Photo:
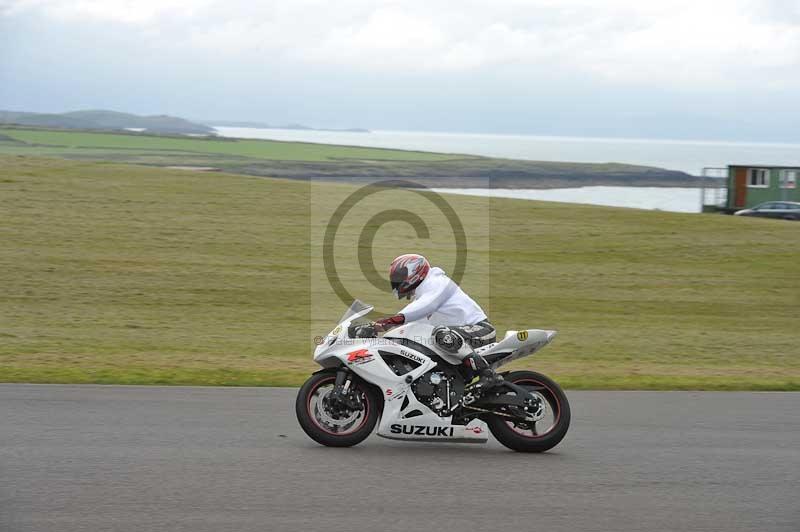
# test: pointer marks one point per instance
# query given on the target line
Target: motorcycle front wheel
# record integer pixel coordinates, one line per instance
(327, 424)
(534, 436)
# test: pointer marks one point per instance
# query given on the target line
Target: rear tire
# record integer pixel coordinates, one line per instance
(505, 432)
(308, 414)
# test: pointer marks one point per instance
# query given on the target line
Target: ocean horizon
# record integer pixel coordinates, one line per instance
(689, 156)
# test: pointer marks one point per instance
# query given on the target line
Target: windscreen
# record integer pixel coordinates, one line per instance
(356, 307)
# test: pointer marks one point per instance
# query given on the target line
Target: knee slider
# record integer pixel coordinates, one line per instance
(447, 339)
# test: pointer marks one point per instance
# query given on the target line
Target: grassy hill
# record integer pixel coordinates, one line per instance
(301, 160)
(125, 274)
(119, 145)
(101, 119)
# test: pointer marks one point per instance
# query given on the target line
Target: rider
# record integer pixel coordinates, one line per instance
(438, 299)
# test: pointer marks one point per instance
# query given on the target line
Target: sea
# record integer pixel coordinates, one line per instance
(689, 156)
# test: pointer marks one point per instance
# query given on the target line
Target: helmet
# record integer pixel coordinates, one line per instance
(406, 273)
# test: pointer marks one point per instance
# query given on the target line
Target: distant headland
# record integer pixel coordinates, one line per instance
(107, 120)
(101, 119)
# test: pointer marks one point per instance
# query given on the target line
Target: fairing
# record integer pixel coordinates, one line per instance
(413, 341)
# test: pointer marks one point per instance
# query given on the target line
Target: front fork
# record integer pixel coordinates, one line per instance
(343, 391)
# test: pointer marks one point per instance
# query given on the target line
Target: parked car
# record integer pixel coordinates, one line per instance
(785, 210)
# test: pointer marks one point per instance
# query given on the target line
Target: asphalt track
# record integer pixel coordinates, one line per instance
(97, 458)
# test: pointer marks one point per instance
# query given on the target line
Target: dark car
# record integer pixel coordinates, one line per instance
(785, 210)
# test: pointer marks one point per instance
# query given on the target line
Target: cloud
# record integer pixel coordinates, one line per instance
(702, 45)
(677, 43)
(684, 68)
(125, 11)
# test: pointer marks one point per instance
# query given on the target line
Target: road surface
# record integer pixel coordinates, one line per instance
(116, 458)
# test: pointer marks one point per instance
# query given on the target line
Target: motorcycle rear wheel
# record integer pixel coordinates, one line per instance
(335, 430)
(522, 436)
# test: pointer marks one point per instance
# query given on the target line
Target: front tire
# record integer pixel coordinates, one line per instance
(526, 437)
(335, 429)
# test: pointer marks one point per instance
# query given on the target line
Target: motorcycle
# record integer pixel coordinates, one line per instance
(421, 392)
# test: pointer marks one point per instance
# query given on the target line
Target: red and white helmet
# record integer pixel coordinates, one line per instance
(406, 272)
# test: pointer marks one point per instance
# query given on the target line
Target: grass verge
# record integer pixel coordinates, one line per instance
(125, 274)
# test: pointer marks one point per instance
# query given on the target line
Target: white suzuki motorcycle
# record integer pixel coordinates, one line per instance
(420, 392)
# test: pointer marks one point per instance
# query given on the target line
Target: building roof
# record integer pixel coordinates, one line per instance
(765, 166)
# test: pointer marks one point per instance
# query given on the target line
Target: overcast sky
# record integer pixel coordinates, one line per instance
(635, 68)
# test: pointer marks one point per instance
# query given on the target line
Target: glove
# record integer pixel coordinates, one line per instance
(385, 324)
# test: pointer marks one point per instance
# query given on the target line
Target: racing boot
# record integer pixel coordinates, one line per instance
(487, 377)
(452, 342)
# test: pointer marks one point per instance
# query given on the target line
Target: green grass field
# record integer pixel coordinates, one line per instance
(126, 274)
(66, 142)
(299, 160)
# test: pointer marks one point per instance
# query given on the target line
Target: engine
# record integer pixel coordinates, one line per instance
(439, 389)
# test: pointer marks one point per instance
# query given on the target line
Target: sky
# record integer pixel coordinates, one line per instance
(694, 69)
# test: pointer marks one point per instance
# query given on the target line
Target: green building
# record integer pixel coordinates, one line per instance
(751, 185)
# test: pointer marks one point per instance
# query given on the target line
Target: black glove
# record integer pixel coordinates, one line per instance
(363, 330)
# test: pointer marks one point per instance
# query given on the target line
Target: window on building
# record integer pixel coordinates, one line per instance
(758, 178)
(789, 178)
